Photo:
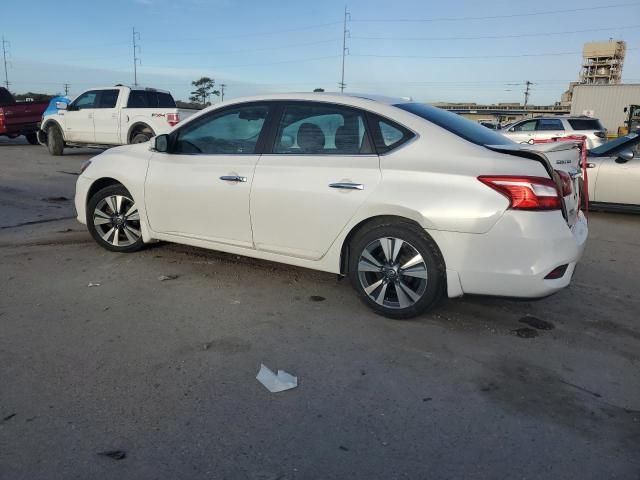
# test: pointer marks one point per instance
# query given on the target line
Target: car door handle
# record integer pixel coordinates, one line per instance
(591, 165)
(347, 186)
(233, 178)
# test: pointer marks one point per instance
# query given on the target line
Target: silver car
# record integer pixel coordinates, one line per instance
(614, 174)
(544, 128)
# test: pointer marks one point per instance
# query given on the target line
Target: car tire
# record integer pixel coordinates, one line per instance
(32, 138)
(55, 142)
(140, 138)
(397, 280)
(114, 220)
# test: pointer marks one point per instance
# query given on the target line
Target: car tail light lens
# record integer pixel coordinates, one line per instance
(173, 118)
(525, 193)
(567, 183)
(1, 119)
(600, 134)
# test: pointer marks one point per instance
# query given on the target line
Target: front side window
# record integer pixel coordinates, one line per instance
(108, 99)
(549, 124)
(231, 132)
(529, 126)
(308, 129)
(86, 100)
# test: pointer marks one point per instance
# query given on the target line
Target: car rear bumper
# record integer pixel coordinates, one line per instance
(515, 256)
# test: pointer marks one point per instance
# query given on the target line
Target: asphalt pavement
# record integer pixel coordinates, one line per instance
(144, 377)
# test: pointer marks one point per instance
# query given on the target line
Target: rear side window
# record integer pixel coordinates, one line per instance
(549, 124)
(388, 135)
(321, 129)
(460, 126)
(108, 99)
(165, 100)
(585, 124)
(150, 99)
(137, 99)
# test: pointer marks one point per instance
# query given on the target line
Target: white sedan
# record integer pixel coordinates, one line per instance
(411, 202)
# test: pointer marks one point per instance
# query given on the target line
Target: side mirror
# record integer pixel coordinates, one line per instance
(61, 105)
(624, 156)
(625, 109)
(161, 143)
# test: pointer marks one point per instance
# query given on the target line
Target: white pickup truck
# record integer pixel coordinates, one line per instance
(104, 117)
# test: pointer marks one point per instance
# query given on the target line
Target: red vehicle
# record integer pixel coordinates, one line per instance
(20, 118)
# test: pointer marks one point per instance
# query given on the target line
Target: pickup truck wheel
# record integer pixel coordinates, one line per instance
(32, 138)
(113, 220)
(141, 138)
(55, 142)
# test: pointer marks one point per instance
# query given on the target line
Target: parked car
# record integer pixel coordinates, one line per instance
(19, 118)
(614, 174)
(411, 202)
(104, 117)
(543, 128)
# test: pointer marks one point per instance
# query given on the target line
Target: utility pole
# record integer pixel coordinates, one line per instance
(526, 93)
(222, 85)
(66, 89)
(5, 44)
(345, 50)
(136, 59)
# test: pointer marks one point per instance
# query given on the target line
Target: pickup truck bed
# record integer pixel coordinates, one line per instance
(19, 118)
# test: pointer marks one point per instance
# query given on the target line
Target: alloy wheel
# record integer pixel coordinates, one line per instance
(117, 220)
(392, 273)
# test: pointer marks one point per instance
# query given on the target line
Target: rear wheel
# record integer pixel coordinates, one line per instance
(113, 219)
(32, 138)
(55, 142)
(141, 138)
(396, 269)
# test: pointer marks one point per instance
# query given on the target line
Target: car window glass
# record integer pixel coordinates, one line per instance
(230, 132)
(549, 124)
(165, 100)
(321, 129)
(585, 124)
(387, 135)
(108, 98)
(529, 126)
(86, 100)
(137, 99)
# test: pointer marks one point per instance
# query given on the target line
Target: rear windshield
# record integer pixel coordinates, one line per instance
(150, 99)
(585, 124)
(470, 131)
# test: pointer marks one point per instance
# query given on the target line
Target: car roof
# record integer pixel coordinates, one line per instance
(565, 117)
(332, 97)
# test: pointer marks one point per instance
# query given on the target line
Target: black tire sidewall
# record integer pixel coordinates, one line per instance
(137, 135)
(91, 205)
(425, 246)
(32, 138)
(55, 143)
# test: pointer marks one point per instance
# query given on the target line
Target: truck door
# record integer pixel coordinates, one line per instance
(106, 118)
(78, 118)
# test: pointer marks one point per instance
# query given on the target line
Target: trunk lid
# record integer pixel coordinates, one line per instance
(556, 156)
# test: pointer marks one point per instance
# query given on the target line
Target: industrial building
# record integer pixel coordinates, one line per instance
(602, 62)
(605, 102)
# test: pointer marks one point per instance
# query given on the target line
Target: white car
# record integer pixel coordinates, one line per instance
(104, 117)
(411, 202)
(545, 128)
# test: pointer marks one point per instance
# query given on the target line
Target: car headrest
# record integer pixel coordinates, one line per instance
(310, 138)
(346, 141)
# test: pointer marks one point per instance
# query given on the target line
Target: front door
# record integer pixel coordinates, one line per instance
(523, 132)
(106, 119)
(549, 128)
(201, 188)
(78, 118)
(618, 181)
(320, 170)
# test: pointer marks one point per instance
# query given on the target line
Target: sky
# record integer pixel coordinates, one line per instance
(445, 50)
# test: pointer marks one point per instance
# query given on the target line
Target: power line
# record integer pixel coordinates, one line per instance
(136, 60)
(298, 60)
(5, 44)
(518, 35)
(345, 50)
(465, 57)
(491, 17)
(250, 50)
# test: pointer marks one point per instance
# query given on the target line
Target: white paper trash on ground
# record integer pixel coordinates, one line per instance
(276, 383)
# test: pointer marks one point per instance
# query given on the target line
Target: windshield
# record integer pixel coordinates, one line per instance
(607, 148)
(460, 126)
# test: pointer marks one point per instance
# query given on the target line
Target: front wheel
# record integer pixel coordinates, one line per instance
(55, 142)
(396, 269)
(113, 220)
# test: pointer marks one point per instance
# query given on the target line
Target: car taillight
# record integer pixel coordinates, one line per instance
(525, 193)
(567, 183)
(173, 118)
(1, 119)
(600, 134)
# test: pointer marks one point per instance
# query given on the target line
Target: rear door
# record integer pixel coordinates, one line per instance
(78, 118)
(319, 171)
(106, 119)
(548, 128)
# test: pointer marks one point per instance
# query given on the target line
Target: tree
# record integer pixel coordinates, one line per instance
(318, 89)
(204, 88)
